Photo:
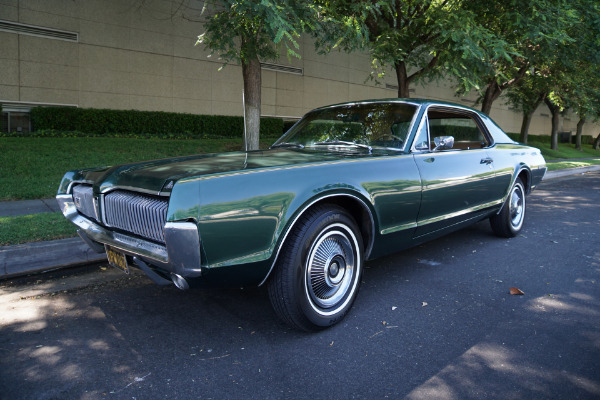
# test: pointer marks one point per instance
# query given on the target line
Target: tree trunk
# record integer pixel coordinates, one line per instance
(402, 78)
(492, 92)
(525, 127)
(597, 142)
(555, 110)
(527, 116)
(579, 132)
(252, 84)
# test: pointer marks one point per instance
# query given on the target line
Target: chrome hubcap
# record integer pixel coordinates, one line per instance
(517, 206)
(331, 269)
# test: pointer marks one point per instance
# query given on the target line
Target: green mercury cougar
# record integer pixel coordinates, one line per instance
(347, 183)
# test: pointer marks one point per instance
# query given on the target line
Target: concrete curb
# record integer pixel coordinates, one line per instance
(570, 171)
(29, 258)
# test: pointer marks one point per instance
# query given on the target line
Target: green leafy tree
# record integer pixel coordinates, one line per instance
(526, 96)
(248, 31)
(583, 97)
(419, 39)
(575, 68)
(581, 86)
(530, 32)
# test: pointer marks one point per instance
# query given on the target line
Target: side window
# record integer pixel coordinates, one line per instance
(465, 130)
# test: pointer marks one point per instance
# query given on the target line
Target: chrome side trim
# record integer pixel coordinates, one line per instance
(290, 226)
(466, 211)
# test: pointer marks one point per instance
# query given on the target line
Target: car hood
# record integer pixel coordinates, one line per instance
(159, 176)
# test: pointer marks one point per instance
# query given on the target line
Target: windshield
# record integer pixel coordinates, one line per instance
(358, 125)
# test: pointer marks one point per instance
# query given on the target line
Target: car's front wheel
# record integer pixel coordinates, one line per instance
(509, 222)
(317, 275)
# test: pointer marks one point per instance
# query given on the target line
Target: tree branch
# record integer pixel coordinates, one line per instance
(424, 70)
(520, 75)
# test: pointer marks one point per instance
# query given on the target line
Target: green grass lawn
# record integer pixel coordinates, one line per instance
(35, 228)
(565, 150)
(31, 168)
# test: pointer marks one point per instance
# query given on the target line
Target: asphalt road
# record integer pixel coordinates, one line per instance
(436, 321)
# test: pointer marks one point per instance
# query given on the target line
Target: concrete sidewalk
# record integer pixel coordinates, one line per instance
(27, 207)
(29, 258)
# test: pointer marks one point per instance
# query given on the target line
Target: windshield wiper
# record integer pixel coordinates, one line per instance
(294, 145)
(343, 143)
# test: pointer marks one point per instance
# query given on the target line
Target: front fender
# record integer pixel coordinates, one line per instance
(242, 217)
(365, 209)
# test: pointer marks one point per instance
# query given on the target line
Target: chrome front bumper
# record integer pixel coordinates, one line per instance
(180, 255)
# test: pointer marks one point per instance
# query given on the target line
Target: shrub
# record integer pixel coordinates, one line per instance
(100, 122)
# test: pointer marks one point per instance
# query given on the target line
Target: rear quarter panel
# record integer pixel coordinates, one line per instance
(510, 160)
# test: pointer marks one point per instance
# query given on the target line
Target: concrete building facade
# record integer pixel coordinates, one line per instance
(141, 54)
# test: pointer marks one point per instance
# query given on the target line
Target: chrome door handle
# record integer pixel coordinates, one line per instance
(486, 161)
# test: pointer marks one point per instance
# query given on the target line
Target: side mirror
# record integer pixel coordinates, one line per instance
(443, 142)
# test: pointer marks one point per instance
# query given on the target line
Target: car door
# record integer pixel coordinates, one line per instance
(457, 183)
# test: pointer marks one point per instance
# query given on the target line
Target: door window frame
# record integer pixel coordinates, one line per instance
(424, 124)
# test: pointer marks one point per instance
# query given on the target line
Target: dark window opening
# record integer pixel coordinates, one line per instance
(15, 121)
(463, 127)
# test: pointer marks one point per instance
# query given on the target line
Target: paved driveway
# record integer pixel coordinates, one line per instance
(436, 321)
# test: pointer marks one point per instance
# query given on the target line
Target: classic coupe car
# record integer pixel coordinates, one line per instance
(347, 183)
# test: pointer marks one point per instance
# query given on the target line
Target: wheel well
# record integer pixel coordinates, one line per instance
(525, 178)
(359, 212)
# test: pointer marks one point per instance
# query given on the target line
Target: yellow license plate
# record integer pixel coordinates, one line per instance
(117, 259)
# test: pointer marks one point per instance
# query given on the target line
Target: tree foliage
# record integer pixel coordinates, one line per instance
(248, 32)
(419, 39)
(580, 80)
(570, 75)
(542, 50)
(529, 31)
(238, 30)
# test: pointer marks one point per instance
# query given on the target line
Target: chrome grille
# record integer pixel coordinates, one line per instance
(83, 197)
(136, 213)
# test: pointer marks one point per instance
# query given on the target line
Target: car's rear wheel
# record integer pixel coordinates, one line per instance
(317, 276)
(509, 222)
